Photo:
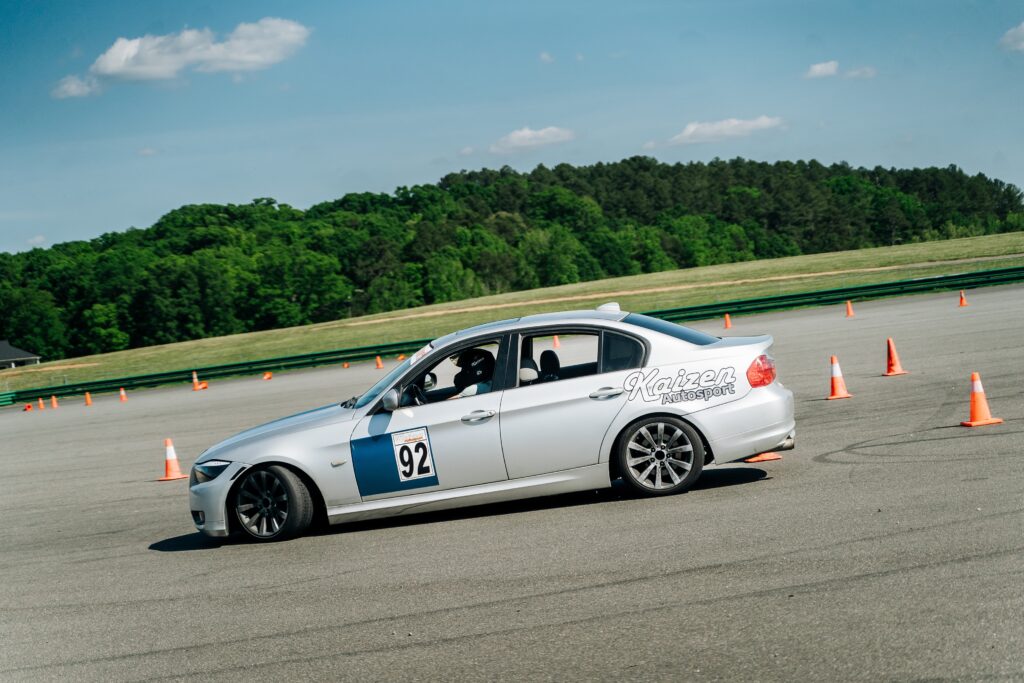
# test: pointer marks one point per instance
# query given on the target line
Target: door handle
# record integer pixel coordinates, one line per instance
(478, 415)
(606, 392)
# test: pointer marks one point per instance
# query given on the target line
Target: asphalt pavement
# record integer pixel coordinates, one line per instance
(889, 545)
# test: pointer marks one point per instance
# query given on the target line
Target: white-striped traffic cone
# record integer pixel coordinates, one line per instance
(838, 383)
(172, 470)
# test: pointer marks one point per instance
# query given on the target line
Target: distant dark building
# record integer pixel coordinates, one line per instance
(12, 357)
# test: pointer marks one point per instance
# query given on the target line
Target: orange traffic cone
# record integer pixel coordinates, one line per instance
(88, 399)
(42, 406)
(53, 402)
(728, 322)
(401, 356)
(268, 375)
(172, 470)
(195, 382)
(27, 408)
(963, 300)
(838, 383)
(849, 309)
(764, 457)
(555, 343)
(980, 414)
(380, 363)
(345, 365)
(124, 396)
(892, 365)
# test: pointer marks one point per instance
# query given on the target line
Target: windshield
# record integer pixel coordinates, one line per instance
(383, 383)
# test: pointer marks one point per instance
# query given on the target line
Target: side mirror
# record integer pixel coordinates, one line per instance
(527, 375)
(430, 381)
(390, 401)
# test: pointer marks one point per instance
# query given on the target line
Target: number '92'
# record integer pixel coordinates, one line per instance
(412, 454)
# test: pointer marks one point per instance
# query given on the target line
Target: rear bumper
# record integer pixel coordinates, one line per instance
(761, 421)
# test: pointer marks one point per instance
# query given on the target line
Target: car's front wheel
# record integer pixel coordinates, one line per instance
(272, 504)
(660, 455)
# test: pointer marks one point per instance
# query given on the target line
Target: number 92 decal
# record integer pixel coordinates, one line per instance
(412, 454)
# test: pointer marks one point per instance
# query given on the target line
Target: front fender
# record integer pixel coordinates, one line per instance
(321, 453)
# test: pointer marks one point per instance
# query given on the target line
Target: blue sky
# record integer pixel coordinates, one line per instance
(227, 101)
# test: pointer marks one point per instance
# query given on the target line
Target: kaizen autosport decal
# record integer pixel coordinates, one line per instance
(394, 462)
(657, 385)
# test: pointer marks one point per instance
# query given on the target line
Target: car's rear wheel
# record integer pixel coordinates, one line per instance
(660, 456)
(272, 504)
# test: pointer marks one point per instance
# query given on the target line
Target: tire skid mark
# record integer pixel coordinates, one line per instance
(79, 506)
(109, 553)
(675, 574)
(796, 588)
(191, 596)
(859, 448)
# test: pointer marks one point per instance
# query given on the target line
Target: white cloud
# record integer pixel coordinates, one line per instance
(248, 47)
(73, 86)
(713, 131)
(148, 152)
(650, 144)
(256, 46)
(546, 57)
(862, 72)
(1014, 38)
(37, 241)
(525, 138)
(153, 57)
(823, 69)
(466, 151)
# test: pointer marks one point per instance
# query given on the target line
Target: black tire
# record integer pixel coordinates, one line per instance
(653, 458)
(272, 504)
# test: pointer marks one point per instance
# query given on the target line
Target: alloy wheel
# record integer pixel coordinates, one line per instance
(659, 456)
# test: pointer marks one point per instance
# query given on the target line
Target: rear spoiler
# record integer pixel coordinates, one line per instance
(761, 342)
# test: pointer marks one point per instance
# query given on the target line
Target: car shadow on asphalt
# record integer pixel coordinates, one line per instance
(710, 479)
(187, 542)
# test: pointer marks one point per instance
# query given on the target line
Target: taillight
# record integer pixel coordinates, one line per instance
(761, 372)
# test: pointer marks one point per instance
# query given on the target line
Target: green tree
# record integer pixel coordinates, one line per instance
(30, 319)
(102, 330)
(446, 279)
(215, 269)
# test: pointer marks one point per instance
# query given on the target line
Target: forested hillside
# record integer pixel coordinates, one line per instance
(210, 270)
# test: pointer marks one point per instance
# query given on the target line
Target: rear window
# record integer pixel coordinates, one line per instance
(671, 329)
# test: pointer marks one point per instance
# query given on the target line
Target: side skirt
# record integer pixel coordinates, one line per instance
(579, 479)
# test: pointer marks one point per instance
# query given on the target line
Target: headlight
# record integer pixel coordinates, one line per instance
(209, 470)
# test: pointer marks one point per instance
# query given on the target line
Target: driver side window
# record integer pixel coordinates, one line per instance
(469, 372)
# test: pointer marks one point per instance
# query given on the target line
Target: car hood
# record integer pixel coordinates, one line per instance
(282, 427)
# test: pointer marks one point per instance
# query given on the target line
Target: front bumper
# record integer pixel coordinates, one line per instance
(209, 500)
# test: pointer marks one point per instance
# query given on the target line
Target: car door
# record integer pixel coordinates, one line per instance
(445, 444)
(559, 421)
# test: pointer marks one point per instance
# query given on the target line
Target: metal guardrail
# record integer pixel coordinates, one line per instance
(984, 278)
(215, 371)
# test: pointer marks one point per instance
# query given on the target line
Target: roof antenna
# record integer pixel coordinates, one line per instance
(610, 306)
